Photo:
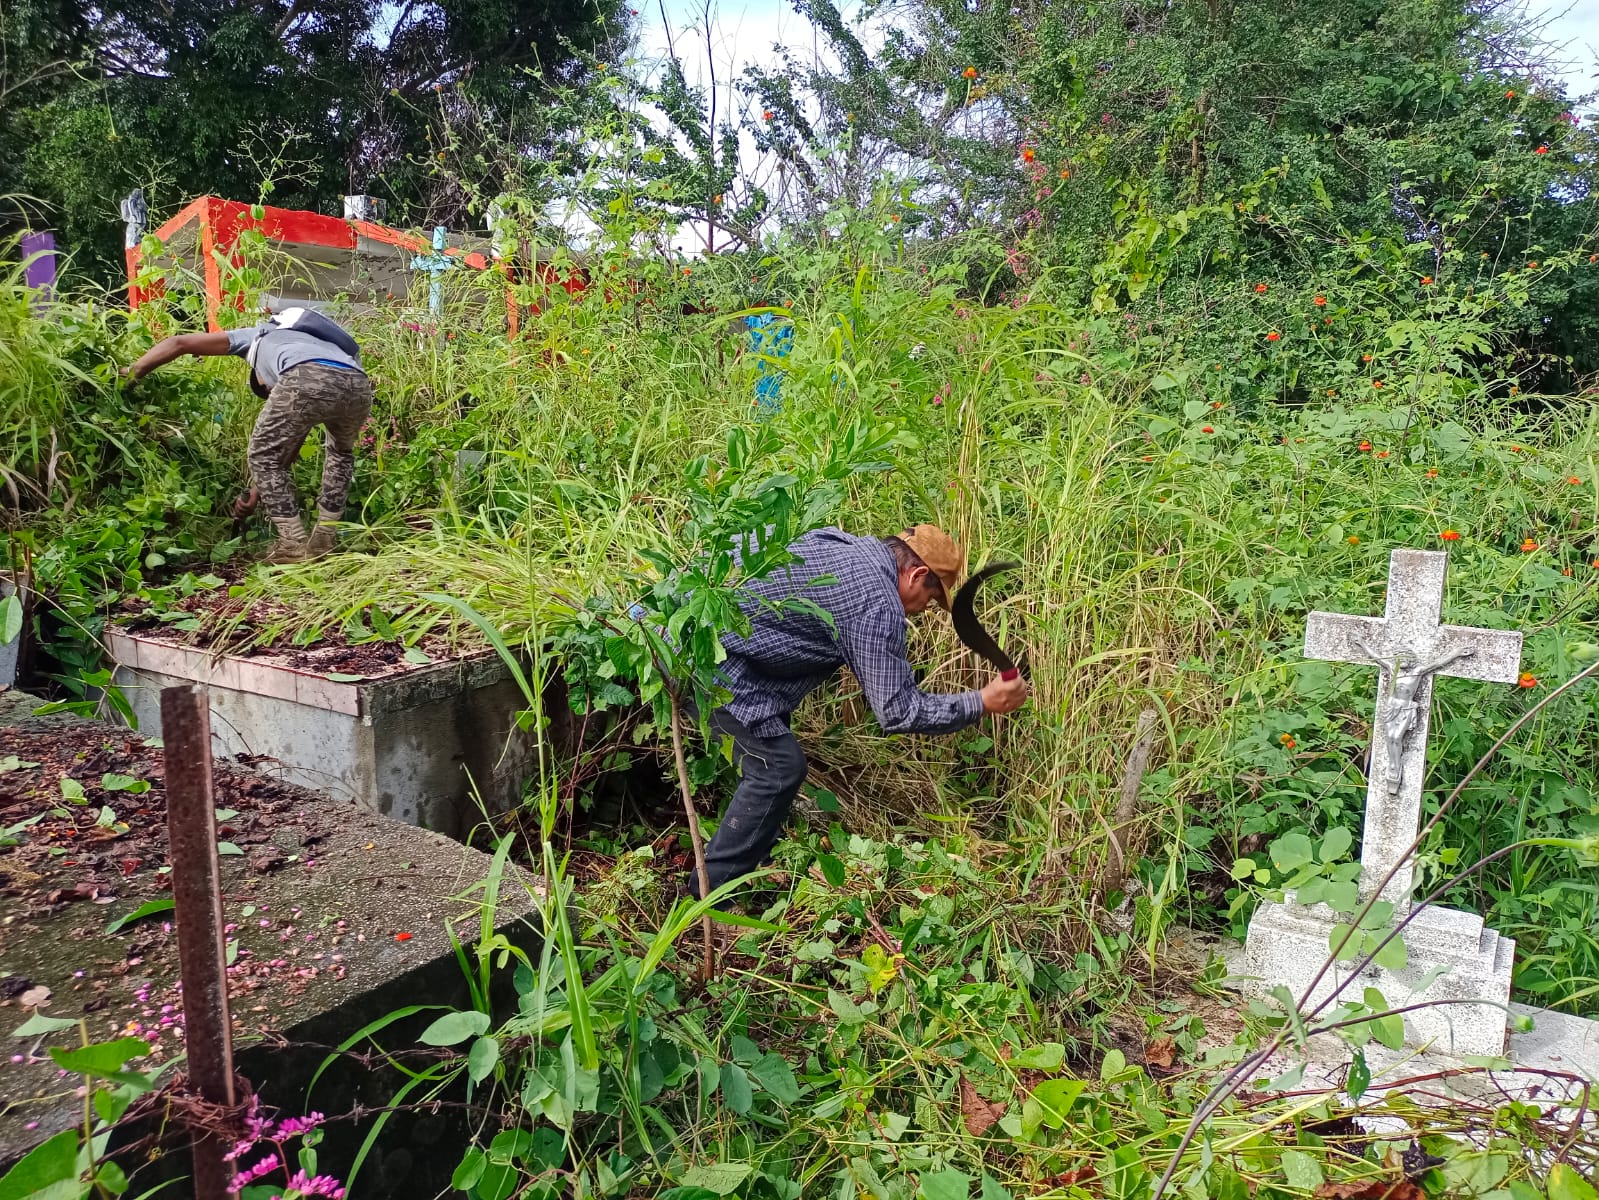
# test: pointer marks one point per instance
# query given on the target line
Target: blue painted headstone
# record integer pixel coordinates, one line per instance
(435, 265)
(769, 339)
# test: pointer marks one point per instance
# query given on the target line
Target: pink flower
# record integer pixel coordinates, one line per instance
(320, 1185)
(246, 1177)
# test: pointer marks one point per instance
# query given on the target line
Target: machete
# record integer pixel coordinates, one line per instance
(970, 630)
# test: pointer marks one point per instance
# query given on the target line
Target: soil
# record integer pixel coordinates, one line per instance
(115, 840)
(262, 629)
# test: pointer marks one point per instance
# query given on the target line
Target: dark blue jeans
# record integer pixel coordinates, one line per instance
(771, 770)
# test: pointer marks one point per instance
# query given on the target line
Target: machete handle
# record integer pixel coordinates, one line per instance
(1013, 673)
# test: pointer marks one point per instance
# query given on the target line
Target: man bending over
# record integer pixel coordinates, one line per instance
(877, 583)
(306, 380)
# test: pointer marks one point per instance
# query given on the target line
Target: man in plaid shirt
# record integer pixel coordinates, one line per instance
(875, 583)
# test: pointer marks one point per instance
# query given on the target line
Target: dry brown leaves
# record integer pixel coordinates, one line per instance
(978, 1114)
(1371, 1189)
(1160, 1052)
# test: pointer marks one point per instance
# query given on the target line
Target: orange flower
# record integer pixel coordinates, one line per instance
(1320, 301)
(1566, 572)
(1215, 403)
(1353, 540)
(1432, 473)
(403, 937)
(767, 114)
(1527, 680)
(1028, 154)
(1533, 265)
(1149, 458)
(1065, 172)
(1332, 391)
(1449, 535)
(1376, 383)
(1260, 289)
(687, 271)
(1510, 95)
(1541, 150)
(1364, 446)
(1207, 429)
(1593, 258)
(1426, 279)
(718, 198)
(969, 73)
(1573, 480)
(1287, 739)
(1382, 454)
(1274, 336)
(1515, 449)
(1365, 358)
(1528, 545)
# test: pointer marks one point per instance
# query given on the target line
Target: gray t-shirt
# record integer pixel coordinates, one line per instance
(282, 349)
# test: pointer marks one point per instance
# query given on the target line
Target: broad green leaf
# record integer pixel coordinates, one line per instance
(12, 763)
(102, 1059)
(39, 1024)
(481, 1058)
(148, 909)
(416, 657)
(1057, 1097)
(849, 1013)
(992, 1189)
(1291, 851)
(1336, 844)
(454, 1028)
(1394, 955)
(1301, 1170)
(721, 1179)
(10, 619)
(1342, 942)
(470, 1170)
(72, 792)
(736, 1088)
(1359, 1078)
(227, 848)
(1389, 1030)
(777, 1077)
(1115, 1063)
(341, 677)
(944, 1185)
(1046, 1056)
(1565, 1183)
(112, 782)
(47, 1165)
(832, 869)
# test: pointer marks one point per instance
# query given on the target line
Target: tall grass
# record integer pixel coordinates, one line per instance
(1172, 541)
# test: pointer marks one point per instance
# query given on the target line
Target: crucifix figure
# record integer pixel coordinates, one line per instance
(1410, 648)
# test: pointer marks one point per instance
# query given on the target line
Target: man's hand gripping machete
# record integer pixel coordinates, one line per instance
(970, 630)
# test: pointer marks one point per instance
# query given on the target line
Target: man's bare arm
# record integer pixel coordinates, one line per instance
(164, 351)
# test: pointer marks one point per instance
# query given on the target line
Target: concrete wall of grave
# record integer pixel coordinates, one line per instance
(433, 746)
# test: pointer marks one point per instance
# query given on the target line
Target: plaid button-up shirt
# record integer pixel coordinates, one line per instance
(787, 655)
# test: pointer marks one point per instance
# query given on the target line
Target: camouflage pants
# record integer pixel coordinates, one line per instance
(307, 396)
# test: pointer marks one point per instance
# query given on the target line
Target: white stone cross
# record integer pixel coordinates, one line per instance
(1409, 637)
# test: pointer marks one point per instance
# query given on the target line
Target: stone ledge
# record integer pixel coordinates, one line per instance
(1288, 943)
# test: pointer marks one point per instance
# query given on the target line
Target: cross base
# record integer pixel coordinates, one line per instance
(1288, 943)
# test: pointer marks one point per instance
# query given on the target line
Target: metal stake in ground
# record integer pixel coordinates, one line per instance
(202, 958)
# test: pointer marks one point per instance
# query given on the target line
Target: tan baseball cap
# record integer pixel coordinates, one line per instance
(942, 554)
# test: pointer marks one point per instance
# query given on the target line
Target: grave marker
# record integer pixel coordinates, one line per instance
(1456, 966)
(1409, 647)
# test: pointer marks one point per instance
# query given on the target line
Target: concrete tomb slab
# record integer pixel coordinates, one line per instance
(434, 745)
(337, 917)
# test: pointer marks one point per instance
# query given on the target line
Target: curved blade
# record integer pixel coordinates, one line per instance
(968, 628)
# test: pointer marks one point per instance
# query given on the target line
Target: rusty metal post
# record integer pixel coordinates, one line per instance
(202, 957)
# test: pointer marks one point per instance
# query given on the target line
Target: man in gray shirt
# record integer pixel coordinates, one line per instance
(306, 381)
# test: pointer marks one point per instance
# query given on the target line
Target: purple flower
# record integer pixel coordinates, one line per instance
(246, 1177)
(299, 1126)
(320, 1185)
